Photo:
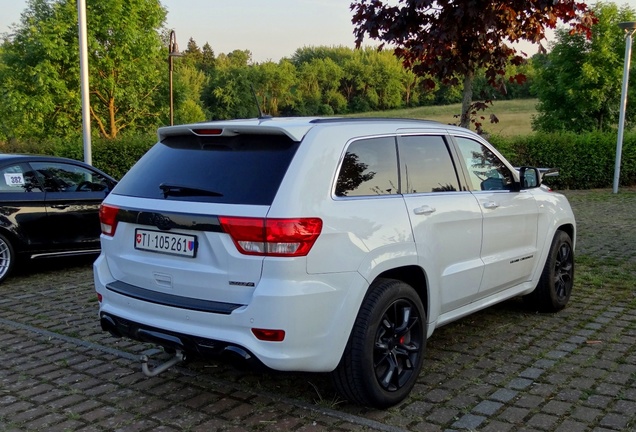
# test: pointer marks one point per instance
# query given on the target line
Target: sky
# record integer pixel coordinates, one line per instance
(270, 29)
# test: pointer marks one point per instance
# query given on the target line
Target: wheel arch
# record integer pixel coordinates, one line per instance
(13, 237)
(570, 230)
(414, 276)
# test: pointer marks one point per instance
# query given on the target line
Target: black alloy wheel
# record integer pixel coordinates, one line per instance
(385, 351)
(563, 272)
(557, 280)
(398, 343)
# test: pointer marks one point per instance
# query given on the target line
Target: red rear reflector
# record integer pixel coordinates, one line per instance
(208, 131)
(108, 219)
(269, 335)
(272, 237)
(99, 297)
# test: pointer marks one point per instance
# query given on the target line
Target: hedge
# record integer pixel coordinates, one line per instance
(585, 161)
(115, 157)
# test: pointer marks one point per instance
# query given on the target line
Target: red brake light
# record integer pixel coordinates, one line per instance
(272, 237)
(108, 219)
(208, 131)
(269, 335)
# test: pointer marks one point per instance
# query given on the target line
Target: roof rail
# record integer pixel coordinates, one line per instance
(369, 119)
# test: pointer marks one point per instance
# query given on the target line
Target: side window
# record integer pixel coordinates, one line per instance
(485, 170)
(62, 177)
(426, 165)
(18, 178)
(369, 168)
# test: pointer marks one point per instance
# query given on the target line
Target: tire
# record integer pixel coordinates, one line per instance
(383, 357)
(7, 257)
(555, 286)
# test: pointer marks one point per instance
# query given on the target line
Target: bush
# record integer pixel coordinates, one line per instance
(114, 157)
(585, 161)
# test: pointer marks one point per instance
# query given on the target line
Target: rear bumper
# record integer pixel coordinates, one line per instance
(200, 347)
(316, 315)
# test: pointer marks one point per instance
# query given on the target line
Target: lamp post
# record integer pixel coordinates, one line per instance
(629, 28)
(84, 84)
(173, 51)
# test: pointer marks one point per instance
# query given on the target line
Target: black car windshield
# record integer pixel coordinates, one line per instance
(243, 169)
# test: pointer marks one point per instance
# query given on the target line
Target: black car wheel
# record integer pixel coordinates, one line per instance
(7, 257)
(383, 357)
(555, 286)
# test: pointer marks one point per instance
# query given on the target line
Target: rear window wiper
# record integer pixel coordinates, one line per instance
(181, 190)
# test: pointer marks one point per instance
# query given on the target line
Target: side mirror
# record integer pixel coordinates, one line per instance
(529, 177)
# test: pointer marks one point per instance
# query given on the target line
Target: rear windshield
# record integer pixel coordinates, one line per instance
(244, 169)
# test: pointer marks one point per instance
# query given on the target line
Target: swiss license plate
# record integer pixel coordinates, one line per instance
(164, 242)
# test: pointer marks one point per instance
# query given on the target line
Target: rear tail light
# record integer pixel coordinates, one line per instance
(108, 219)
(272, 237)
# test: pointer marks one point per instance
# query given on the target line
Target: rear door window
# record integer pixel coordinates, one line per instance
(426, 165)
(369, 168)
(18, 178)
(243, 169)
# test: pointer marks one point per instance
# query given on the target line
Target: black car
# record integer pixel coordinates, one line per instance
(49, 206)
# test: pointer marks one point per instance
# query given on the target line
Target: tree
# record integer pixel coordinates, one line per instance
(193, 52)
(579, 82)
(228, 94)
(41, 79)
(207, 58)
(272, 83)
(189, 85)
(452, 39)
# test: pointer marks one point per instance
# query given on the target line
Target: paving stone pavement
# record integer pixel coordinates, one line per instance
(503, 369)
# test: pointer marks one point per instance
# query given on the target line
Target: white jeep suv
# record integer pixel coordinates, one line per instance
(325, 244)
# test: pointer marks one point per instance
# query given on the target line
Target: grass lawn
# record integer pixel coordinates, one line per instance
(515, 116)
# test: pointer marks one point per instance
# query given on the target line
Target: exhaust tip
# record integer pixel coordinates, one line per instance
(241, 359)
(108, 324)
(234, 352)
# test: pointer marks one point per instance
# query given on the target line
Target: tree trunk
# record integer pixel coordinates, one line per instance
(112, 120)
(467, 99)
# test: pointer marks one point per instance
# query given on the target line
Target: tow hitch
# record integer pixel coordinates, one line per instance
(177, 358)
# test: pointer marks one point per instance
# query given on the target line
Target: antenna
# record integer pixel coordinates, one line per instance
(258, 107)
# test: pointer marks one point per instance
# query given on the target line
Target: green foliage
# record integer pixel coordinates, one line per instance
(41, 72)
(113, 156)
(228, 93)
(585, 160)
(125, 58)
(452, 40)
(116, 157)
(579, 82)
(189, 83)
(39, 76)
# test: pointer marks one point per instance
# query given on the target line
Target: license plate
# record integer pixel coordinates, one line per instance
(168, 243)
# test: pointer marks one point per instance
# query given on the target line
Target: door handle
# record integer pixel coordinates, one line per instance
(491, 204)
(424, 210)
(59, 206)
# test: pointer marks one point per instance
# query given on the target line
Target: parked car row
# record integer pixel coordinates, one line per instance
(49, 207)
